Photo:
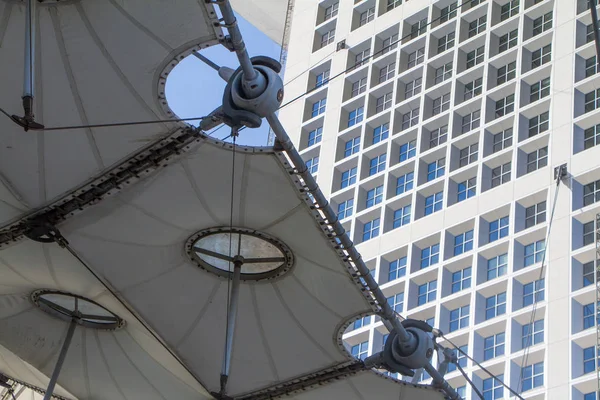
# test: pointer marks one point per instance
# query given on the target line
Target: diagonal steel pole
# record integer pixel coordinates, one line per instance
(61, 360)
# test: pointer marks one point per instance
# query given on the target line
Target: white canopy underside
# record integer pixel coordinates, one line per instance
(97, 61)
(105, 61)
(268, 16)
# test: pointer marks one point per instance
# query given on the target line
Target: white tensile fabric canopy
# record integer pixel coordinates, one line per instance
(96, 62)
(104, 62)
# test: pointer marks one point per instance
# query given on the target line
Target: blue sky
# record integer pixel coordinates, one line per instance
(195, 89)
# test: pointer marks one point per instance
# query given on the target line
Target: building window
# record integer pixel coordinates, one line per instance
(589, 359)
(367, 16)
(313, 165)
(345, 208)
(533, 292)
(498, 229)
(461, 280)
(444, 72)
(493, 346)
(459, 318)
(438, 136)
(589, 32)
(468, 155)
(591, 193)
(473, 88)
(364, 321)
(446, 42)
(358, 87)
(588, 273)
(537, 159)
(404, 183)
(387, 72)
(590, 396)
(508, 40)
(441, 104)
(534, 252)
(461, 360)
(381, 133)
(427, 292)
(501, 174)
(384, 102)
(467, 189)
(495, 305)
(331, 11)
(315, 136)
(355, 116)
(471, 121)
(328, 38)
(541, 56)
(539, 124)
(588, 233)
(396, 302)
(532, 334)
(463, 242)
(410, 119)
(412, 88)
(434, 203)
(505, 106)
(318, 107)
(377, 164)
(418, 28)
(348, 177)
(591, 67)
(370, 229)
(462, 391)
(374, 196)
(436, 169)
(588, 315)
(416, 57)
(352, 146)
(539, 90)
(507, 73)
(493, 389)
(532, 376)
(390, 43)
(497, 266)
(362, 57)
(536, 214)
(542, 23)
(361, 350)
(509, 9)
(592, 100)
(397, 269)
(503, 140)
(448, 12)
(430, 255)
(477, 26)
(401, 217)
(391, 4)
(322, 79)
(408, 150)
(475, 57)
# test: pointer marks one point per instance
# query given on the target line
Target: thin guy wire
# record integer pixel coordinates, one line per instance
(363, 60)
(542, 270)
(475, 388)
(129, 309)
(484, 369)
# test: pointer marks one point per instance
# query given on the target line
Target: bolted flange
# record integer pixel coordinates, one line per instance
(402, 357)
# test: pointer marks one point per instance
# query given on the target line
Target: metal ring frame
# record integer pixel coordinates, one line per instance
(276, 272)
(111, 322)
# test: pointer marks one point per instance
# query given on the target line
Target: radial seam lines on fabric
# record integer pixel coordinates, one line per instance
(130, 310)
(541, 276)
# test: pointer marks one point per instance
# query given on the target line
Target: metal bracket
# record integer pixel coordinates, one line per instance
(560, 172)
(44, 232)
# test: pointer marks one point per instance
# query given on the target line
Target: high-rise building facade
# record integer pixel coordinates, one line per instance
(435, 128)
